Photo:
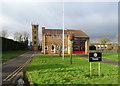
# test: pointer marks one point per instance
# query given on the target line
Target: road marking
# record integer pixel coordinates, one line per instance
(18, 71)
(10, 76)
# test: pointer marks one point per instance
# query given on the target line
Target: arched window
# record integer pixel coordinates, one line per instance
(52, 47)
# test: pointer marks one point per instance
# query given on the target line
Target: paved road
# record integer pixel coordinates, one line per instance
(13, 67)
(117, 63)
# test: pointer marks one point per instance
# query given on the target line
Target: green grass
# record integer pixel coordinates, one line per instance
(111, 56)
(6, 56)
(51, 69)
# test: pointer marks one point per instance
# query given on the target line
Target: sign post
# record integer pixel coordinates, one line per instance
(99, 68)
(95, 57)
(90, 69)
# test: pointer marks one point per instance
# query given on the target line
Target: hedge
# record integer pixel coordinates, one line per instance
(11, 45)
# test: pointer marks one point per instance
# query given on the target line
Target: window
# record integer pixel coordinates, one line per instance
(52, 47)
(102, 46)
(59, 36)
(35, 32)
(34, 42)
(46, 47)
(98, 46)
(34, 26)
(34, 37)
(65, 37)
(52, 36)
(65, 48)
(105, 46)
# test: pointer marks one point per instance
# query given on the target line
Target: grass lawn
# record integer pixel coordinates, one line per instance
(111, 56)
(51, 69)
(10, 55)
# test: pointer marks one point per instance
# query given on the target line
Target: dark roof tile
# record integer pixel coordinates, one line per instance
(79, 33)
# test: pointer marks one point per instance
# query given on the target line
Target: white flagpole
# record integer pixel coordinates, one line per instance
(63, 33)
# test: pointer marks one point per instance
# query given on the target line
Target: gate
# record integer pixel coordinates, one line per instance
(79, 46)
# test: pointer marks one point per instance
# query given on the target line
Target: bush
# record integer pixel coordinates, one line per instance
(92, 47)
(10, 45)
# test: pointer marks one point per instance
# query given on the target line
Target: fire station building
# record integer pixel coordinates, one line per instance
(52, 40)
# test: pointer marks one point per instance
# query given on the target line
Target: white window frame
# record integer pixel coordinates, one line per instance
(106, 46)
(54, 48)
(102, 46)
(46, 47)
(99, 47)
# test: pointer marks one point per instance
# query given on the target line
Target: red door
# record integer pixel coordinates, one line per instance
(78, 46)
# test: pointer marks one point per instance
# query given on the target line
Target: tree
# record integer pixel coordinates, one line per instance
(4, 33)
(18, 36)
(104, 40)
(21, 37)
(96, 40)
(117, 38)
(25, 36)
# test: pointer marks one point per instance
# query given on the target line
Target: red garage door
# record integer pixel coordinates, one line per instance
(78, 46)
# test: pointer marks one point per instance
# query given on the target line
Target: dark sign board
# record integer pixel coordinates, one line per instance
(95, 56)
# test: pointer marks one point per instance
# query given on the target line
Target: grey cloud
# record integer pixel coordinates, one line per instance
(96, 19)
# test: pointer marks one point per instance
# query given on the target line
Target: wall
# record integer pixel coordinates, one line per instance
(49, 40)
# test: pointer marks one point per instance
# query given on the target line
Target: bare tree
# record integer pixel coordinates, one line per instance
(21, 37)
(18, 36)
(4, 33)
(25, 36)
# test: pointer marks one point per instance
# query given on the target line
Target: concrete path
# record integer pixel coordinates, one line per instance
(12, 68)
(117, 63)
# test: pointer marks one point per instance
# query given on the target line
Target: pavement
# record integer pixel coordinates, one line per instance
(117, 63)
(11, 69)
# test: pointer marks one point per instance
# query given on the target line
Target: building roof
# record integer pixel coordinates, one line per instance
(78, 33)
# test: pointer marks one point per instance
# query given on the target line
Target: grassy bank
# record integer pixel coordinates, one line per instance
(111, 56)
(6, 56)
(51, 69)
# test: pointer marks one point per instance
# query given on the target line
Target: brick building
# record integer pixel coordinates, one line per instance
(52, 41)
(35, 39)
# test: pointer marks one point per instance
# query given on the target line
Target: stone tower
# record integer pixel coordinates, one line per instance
(35, 37)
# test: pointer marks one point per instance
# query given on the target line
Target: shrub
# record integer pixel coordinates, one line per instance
(11, 45)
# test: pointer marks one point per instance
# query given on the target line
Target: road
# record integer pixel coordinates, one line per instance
(117, 63)
(12, 68)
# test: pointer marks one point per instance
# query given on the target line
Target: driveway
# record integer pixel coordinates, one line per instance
(117, 63)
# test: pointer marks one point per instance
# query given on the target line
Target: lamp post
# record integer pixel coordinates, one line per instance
(63, 33)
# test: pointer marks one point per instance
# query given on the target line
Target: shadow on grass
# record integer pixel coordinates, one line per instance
(94, 76)
(76, 84)
(45, 66)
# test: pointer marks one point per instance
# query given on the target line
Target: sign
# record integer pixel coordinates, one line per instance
(95, 56)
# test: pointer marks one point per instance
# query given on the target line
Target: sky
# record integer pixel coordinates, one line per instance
(97, 19)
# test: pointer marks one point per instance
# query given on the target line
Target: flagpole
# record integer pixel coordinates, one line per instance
(63, 33)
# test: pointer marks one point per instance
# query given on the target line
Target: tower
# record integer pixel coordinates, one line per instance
(35, 37)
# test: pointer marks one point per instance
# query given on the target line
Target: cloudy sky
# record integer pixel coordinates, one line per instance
(97, 19)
